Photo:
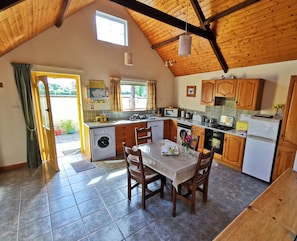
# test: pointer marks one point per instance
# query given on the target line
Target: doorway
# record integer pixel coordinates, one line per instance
(65, 99)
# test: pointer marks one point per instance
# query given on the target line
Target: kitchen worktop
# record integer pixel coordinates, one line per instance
(92, 125)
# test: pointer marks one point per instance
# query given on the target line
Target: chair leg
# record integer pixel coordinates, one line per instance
(173, 201)
(163, 180)
(143, 196)
(129, 188)
(193, 201)
(205, 190)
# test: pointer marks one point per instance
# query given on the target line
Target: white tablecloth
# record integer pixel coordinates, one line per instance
(178, 168)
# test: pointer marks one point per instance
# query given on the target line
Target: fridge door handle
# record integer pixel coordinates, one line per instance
(261, 138)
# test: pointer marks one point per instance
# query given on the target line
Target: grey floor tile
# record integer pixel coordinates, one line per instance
(90, 206)
(62, 203)
(107, 233)
(121, 209)
(32, 230)
(70, 232)
(65, 217)
(31, 214)
(86, 194)
(97, 220)
(55, 193)
(145, 234)
(112, 197)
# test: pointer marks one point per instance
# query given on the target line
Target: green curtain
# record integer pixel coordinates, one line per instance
(22, 75)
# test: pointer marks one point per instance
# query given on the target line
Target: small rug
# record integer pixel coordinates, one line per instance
(82, 165)
(71, 152)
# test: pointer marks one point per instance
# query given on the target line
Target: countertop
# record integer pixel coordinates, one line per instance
(92, 125)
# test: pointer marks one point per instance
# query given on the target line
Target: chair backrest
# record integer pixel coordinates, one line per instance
(143, 135)
(203, 166)
(195, 143)
(134, 162)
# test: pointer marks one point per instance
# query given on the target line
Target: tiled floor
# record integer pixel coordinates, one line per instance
(39, 204)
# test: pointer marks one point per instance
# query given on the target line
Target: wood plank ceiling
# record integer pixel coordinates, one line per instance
(264, 31)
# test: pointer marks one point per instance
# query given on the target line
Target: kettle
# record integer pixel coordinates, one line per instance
(188, 115)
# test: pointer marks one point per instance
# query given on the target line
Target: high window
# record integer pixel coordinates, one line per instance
(134, 95)
(111, 29)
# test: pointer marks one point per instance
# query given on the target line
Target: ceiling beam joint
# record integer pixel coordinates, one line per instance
(161, 16)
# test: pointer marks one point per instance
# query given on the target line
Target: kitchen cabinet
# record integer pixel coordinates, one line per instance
(126, 133)
(208, 92)
(172, 131)
(249, 94)
(199, 131)
(287, 145)
(233, 151)
(225, 88)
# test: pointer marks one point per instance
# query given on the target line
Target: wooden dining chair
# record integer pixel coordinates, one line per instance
(141, 174)
(198, 183)
(143, 135)
(195, 143)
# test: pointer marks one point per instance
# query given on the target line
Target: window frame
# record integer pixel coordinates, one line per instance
(111, 19)
(132, 82)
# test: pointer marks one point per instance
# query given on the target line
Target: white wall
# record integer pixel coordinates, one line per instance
(73, 48)
(277, 78)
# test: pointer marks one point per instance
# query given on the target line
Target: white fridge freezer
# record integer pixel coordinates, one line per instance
(260, 147)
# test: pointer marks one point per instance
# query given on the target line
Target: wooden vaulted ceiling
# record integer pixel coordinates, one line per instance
(225, 33)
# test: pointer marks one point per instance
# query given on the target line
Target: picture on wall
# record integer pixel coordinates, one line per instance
(191, 91)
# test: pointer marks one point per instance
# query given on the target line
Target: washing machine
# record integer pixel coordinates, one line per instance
(103, 143)
(182, 130)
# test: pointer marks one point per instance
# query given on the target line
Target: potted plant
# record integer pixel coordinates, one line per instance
(58, 131)
(68, 126)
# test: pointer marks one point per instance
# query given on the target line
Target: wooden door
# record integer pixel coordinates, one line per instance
(225, 88)
(287, 145)
(45, 121)
(233, 151)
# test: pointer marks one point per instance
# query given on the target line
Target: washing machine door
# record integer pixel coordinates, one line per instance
(103, 142)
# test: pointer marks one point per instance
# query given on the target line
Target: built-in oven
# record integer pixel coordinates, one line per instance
(214, 138)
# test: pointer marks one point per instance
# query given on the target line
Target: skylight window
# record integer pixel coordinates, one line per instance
(111, 29)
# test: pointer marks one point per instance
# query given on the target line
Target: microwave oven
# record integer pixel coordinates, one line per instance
(172, 112)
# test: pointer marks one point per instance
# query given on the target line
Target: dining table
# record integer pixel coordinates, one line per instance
(170, 159)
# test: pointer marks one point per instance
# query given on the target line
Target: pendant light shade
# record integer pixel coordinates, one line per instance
(184, 45)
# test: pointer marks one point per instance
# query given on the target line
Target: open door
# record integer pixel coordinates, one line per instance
(45, 121)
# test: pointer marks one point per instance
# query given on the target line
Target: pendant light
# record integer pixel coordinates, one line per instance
(185, 42)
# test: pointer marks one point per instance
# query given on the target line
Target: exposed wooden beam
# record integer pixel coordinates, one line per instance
(4, 4)
(168, 41)
(63, 12)
(212, 41)
(161, 16)
(229, 11)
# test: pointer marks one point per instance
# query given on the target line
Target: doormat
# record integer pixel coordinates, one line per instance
(71, 152)
(82, 165)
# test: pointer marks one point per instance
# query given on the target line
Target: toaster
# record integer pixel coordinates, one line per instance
(198, 118)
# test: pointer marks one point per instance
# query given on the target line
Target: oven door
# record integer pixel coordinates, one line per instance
(214, 138)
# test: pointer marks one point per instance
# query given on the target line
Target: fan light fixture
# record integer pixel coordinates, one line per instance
(185, 42)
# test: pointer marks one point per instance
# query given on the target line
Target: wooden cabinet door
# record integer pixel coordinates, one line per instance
(123, 134)
(225, 88)
(207, 92)
(233, 151)
(287, 144)
(199, 131)
(173, 130)
(166, 132)
(249, 94)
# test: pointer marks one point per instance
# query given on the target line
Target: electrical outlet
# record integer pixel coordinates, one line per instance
(1, 85)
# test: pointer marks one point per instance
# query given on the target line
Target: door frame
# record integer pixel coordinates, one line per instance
(36, 74)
